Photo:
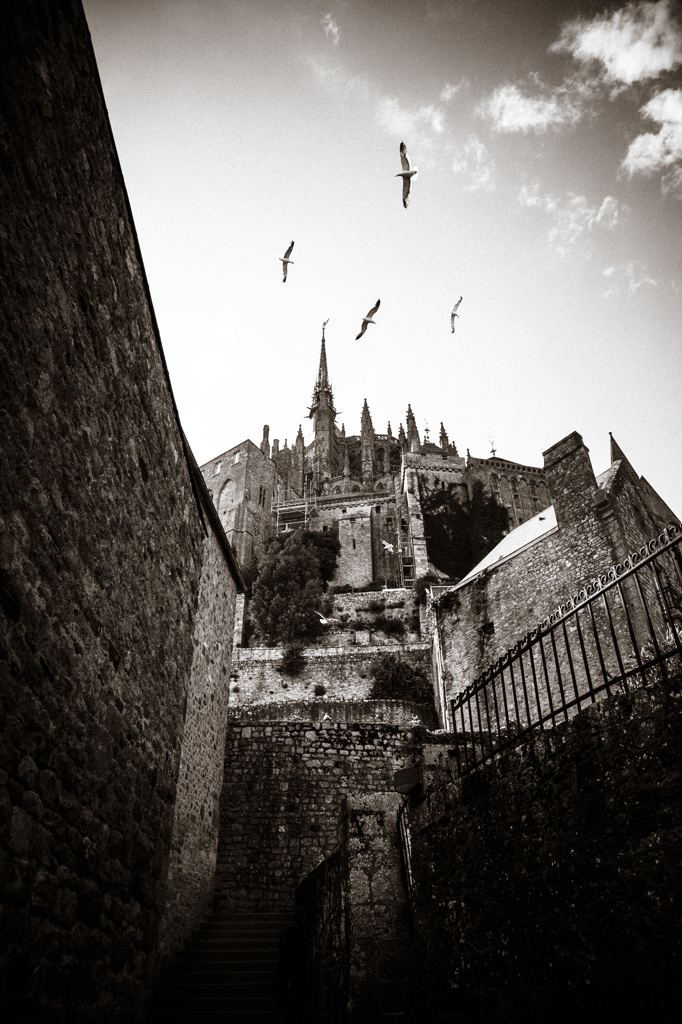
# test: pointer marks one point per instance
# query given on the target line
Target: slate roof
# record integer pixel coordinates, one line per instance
(515, 542)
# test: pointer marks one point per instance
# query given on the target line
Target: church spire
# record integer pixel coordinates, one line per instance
(323, 373)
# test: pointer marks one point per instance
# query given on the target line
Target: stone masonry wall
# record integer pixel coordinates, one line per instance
(354, 910)
(548, 882)
(478, 622)
(102, 547)
(280, 815)
(194, 843)
(344, 672)
(394, 712)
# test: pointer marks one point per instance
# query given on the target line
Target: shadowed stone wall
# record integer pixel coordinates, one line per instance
(110, 655)
(548, 883)
(285, 783)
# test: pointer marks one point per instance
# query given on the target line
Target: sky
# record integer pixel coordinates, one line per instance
(548, 142)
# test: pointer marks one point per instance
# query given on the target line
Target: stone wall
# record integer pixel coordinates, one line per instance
(355, 914)
(479, 621)
(105, 555)
(285, 783)
(393, 712)
(548, 883)
(194, 843)
(344, 672)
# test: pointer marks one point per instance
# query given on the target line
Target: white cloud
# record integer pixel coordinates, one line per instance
(638, 42)
(655, 151)
(635, 274)
(331, 29)
(572, 217)
(476, 163)
(416, 125)
(451, 90)
(509, 110)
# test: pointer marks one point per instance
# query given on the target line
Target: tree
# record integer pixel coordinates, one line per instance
(290, 583)
(461, 533)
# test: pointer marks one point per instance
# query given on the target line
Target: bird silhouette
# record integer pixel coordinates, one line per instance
(406, 174)
(285, 261)
(368, 320)
(387, 546)
(454, 314)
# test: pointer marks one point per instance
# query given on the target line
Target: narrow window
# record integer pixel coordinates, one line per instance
(217, 468)
(236, 457)
(353, 543)
(324, 528)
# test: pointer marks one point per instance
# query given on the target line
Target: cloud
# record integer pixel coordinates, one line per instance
(655, 151)
(508, 110)
(451, 90)
(638, 42)
(477, 163)
(572, 217)
(331, 29)
(635, 274)
(417, 125)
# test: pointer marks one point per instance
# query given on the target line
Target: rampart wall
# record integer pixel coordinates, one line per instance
(285, 783)
(344, 672)
(110, 651)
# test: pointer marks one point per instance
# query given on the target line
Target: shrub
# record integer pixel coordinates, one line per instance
(388, 625)
(293, 659)
(320, 689)
(235, 689)
(396, 679)
(342, 588)
(376, 606)
(422, 584)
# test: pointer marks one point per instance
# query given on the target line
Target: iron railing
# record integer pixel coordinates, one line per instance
(405, 843)
(623, 630)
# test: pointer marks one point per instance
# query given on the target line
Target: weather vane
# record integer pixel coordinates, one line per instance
(324, 325)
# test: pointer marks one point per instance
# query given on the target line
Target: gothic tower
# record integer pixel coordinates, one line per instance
(327, 459)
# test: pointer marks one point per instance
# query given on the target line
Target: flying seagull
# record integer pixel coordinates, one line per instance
(368, 319)
(285, 261)
(388, 547)
(454, 314)
(406, 174)
(325, 622)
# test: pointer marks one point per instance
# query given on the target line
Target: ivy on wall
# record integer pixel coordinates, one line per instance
(460, 533)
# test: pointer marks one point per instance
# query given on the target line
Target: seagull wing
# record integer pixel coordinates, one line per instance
(456, 305)
(373, 309)
(286, 267)
(287, 254)
(362, 331)
(403, 157)
(406, 191)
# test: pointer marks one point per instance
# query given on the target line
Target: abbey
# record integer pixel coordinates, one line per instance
(369, 486)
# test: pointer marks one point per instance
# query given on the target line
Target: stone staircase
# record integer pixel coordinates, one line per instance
(226, 972)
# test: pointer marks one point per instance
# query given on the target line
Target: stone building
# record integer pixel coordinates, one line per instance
(368, 486)
(594, 522)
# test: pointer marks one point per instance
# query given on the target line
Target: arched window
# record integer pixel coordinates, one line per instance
(395, 460)
(336, 490)
(355, 488)
(380, 462)
(495, 487)
(355, 462)
(227, 495)
(380, 486)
